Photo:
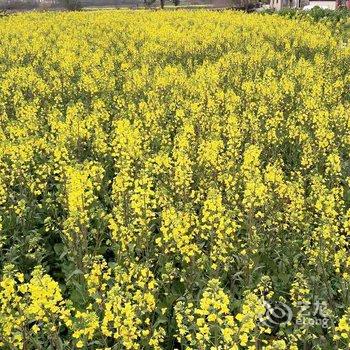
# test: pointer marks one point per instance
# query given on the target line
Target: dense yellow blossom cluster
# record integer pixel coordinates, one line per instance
(173, 180)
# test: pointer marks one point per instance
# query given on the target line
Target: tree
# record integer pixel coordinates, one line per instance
(244, 4)
(71, 5)
(162, 2)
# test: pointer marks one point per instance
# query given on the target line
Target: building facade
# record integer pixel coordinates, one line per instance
(281, 4)
(327, 4)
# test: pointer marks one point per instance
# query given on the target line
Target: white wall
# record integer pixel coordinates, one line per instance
(328, 4)
(276, 4)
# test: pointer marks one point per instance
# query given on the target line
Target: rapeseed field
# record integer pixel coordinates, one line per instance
(173, 180)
